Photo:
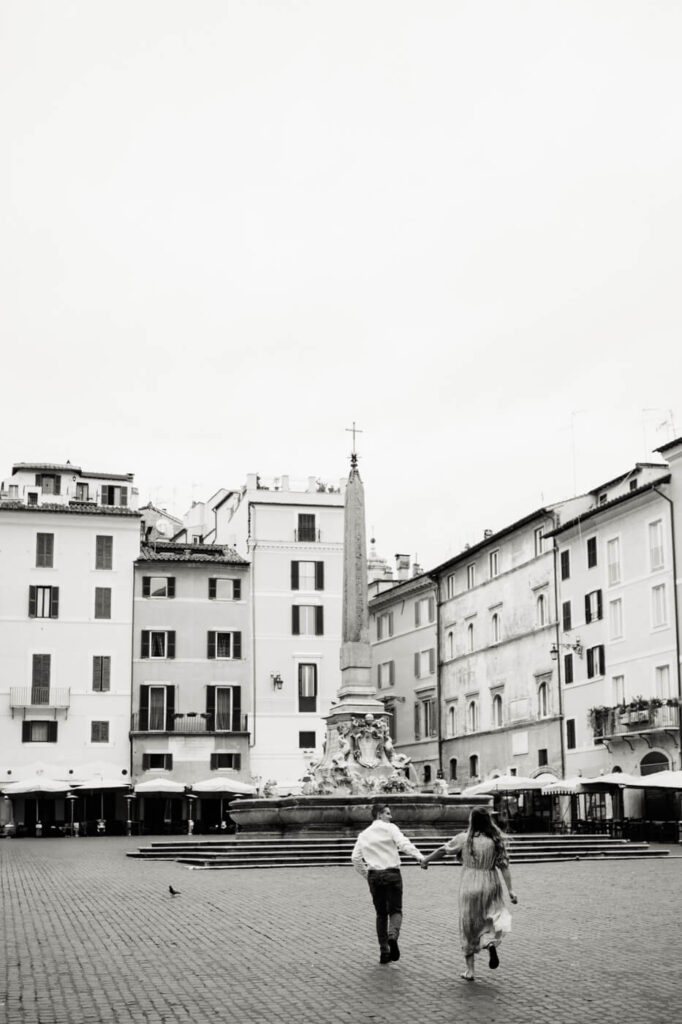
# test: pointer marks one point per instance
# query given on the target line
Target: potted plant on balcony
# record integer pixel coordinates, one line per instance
(599, 718)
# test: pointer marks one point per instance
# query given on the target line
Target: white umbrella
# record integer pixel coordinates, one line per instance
(159, 786)
(615, 779)
(98, 785)
(657, 780)
(38, 785)
(504, 784)
(222, 785)
(566, 787)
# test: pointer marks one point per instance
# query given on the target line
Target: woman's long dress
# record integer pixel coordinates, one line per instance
(483, 916)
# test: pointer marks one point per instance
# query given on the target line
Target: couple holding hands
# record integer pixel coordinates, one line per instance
(483, 916)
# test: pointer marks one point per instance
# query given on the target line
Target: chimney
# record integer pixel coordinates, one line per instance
(402, 566)
(284, 486)
(416, 569)
(487, 534)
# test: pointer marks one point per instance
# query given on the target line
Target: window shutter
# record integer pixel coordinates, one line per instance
(144, 645)
(145, 762)
(432, 609)
(211, 588)
(566, 615)
(590, 663)
(25, 732)
(171, 586)
(106, 672)
(568, 668)
(294, 620)
(170, 707)
(380, 627)
(390, 623)
(145, 586)
(236, 708)
(391, 673)
(170, 648)
(602, 664)
(52, 727)
(210, 708)
(319, 575)
(294, 575)
(124, 496)
(599, 605)
(54, 602)
(144, 709)
(236, 590)
(237, 761)
(57, 487)
(432, 661)
(236, 645)
(417, 731)
(417, 615)
(588, 613)
(32, 603)
(210, 646)
(319, 620)
(416, 664)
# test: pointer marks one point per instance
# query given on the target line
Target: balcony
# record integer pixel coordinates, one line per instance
(628, 724)
(39, 698)
(311, 536)
(189, 724)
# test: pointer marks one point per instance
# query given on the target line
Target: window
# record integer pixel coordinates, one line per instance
(570, 734)
(618, 689)
(224, 589)
(656, 545)
(49, 483)
(43, 602)
(603, 499)
(541, 609)
(82, 492)
(44, 550)
(223, 708)
(164, 762)
(452, 721)
(542, 757)
(225, 760)
(384, 625)
(451, 645)
(424, 611)
(158, 586)
(224, 645)
(32, 498)
(497, 711)
(104, 552)
(616, 619)
(471, 576)
(307, 620)
(494, 560)
(386, 675)
(306, 528)
(658, 606)
(591, 552)
(101, 673)
(495, 628)
(662, 682)
(568, 668)
(565, 565)
(543, 700)
(113, 495)
(539, 540)
(307, 575)
(426, 773)
(40, 678)
(424, 663)
(38, 732)
(613, 560)
(470, 637)
(430, 723)
(595, 661)
(99, 732)
(102, 602)
(453, 769)
(472, 716)
(566, 616)
(417, 721)
(633, 485)
(157, 708)
(450, 585)
(307, 687)
(157, 643)
(473, 766)
(306, 740)
(593, 606)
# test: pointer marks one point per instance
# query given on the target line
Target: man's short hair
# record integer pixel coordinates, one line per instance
(377, 809)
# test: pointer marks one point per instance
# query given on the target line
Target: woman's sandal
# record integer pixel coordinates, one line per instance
(468, 976)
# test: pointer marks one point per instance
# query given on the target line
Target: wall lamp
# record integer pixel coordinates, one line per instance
(577, 647)
(277, 681)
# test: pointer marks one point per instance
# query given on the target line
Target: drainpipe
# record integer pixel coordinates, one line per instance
(439, 714)
(555, 553)
(677, 617)
(252, 729)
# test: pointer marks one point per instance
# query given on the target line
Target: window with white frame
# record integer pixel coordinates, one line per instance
(616, 619)
(497, 711)
(158, 710)
(662, 682)
(618, 689)
(470, 637)
(158, 586)
(307, 620)
(539, 540)
(224, 588)
(386, 674)
(99, 732)
(543, 700)
(595, 661)
(425, 663)
(450, 585)
(593, 606)
(424, 611)
(495, 627)
(613, 560)
(307, 687)
(224, 645)
(430, 722)
(656, 545)
(43, 602)
(659, 609)
(452, 720)
(451, 644)
(307, 575)
(541, 610)
(158, 643)
(471, 576)
(494, 560)
(472, 716)
(384, 625)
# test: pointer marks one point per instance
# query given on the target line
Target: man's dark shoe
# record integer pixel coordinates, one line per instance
(384, 956)
(494, 959)
(395, 951)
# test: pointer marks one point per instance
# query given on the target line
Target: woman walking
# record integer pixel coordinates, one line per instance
(483, 916)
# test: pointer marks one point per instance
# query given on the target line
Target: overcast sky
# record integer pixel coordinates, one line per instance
(230, 229)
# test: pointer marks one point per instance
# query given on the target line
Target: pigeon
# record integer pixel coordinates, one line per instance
(172, 891)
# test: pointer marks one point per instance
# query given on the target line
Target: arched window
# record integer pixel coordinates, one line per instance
(427, 773)
(497, 710)
(473, 766)
(654, 762)
(472, 716)
(542, 610)
(470, 637)
(453, 768)
(452, 721)
(543, 700)
(451, 644)
(495, 628)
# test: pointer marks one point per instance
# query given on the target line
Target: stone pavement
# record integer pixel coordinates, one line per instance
(89, 935)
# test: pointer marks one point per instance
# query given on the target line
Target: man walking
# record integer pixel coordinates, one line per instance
(376, 857)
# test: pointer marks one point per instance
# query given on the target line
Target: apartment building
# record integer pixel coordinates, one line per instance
(68, 541)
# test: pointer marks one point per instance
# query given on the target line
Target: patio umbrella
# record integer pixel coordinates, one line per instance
(222, 787)
(566, 787)
(98, 785)
(657, 780)
(34, 787)
(505, 784)
(161, 786)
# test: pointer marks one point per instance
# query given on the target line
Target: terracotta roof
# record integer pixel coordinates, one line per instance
(74, 507)
(167, 551)
(595, 510)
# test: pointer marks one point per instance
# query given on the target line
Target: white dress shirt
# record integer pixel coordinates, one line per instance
(378, 846)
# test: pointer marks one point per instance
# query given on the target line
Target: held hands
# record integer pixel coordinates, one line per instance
(513, 897)
(424, 864)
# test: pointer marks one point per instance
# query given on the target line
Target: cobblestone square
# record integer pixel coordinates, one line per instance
(92, 936)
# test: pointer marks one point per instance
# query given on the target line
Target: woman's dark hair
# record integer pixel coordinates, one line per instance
(480, 822)
(377, 809)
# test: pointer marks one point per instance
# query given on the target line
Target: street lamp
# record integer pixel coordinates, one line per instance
(129, 797)
(277, 681)
(71, 797)
(576, 646)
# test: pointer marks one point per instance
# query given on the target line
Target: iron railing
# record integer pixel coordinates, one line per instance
(39, 696)
(190, 724)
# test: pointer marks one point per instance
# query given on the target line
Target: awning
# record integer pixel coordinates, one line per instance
(657, 780)
(36, 785)
(161, 786)
(566, 787)
(99, 783)
(207, 787)
(506, 784)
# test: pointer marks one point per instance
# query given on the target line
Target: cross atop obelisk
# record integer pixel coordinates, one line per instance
(353, 455)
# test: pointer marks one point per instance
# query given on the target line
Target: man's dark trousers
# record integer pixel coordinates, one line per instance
(386, 888)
